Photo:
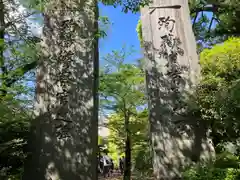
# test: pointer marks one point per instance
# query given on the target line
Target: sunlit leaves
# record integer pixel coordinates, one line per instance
(138, 126)
(122, 92)
(104, 25)
(120, 84)
(223, 60)
(15, 106)
(216, 20)
(218, 94)
(139, 32)
(123, 86)
(127, 5)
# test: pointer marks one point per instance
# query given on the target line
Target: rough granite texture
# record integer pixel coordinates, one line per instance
(64, 133)
(172, 71)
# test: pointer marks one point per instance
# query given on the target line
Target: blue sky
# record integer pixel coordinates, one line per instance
(121, 32)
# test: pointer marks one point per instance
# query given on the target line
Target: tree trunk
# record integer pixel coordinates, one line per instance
(127, 166)
(3, 74)
(172, 71)
(2, 32)
(64, 133)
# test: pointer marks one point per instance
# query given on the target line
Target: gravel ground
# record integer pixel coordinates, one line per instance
(113, 176)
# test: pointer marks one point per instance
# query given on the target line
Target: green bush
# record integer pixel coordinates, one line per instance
(227, 160)
(143, 160)
(226, 167)
(14, 131)
(217, 96)
(211, 173)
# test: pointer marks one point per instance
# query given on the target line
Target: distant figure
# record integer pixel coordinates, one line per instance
(100, 164)
(121, 164)
(106, 165)
(112, 166)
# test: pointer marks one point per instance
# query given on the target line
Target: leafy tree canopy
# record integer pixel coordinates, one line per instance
(215, 20)
(218, 94)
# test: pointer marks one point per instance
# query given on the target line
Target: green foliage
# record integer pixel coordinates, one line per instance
(15, 104)
(141, 154)
(121, 85)
(103, 26)
(127, 5)
(226, 167)
(218, 95)
(17, 60)
(138, 127)
(37, 5)
(227, 160)
(100, 140)
(143, 159)
(122, 91)
(14, 127)
(139, 32)
(222, 62)
(217, 27)
(114, 153)
(209, 173)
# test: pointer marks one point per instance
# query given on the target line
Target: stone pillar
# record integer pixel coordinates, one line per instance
(64, 133)
(172, 72)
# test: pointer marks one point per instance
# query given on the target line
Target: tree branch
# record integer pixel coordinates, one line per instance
(18, 73)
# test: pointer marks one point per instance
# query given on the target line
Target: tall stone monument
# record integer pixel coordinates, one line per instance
(172, 72)
(63, 140)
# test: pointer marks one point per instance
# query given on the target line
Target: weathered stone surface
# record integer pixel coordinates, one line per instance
(172, 70)
(64, 139)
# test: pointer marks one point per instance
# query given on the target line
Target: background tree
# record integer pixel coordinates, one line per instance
(139, 127)
(217, 96)
(214, 21)
(15, 115)
(17, 54)
(121, 91)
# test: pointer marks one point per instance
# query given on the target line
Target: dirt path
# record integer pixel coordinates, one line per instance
(118, 176)
(114, 176)
(111, 178)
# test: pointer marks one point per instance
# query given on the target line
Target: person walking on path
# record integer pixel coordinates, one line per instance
(112, 166)
(121, 164)
(106, 164)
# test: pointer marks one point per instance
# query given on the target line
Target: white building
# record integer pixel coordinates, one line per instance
(103, 131)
